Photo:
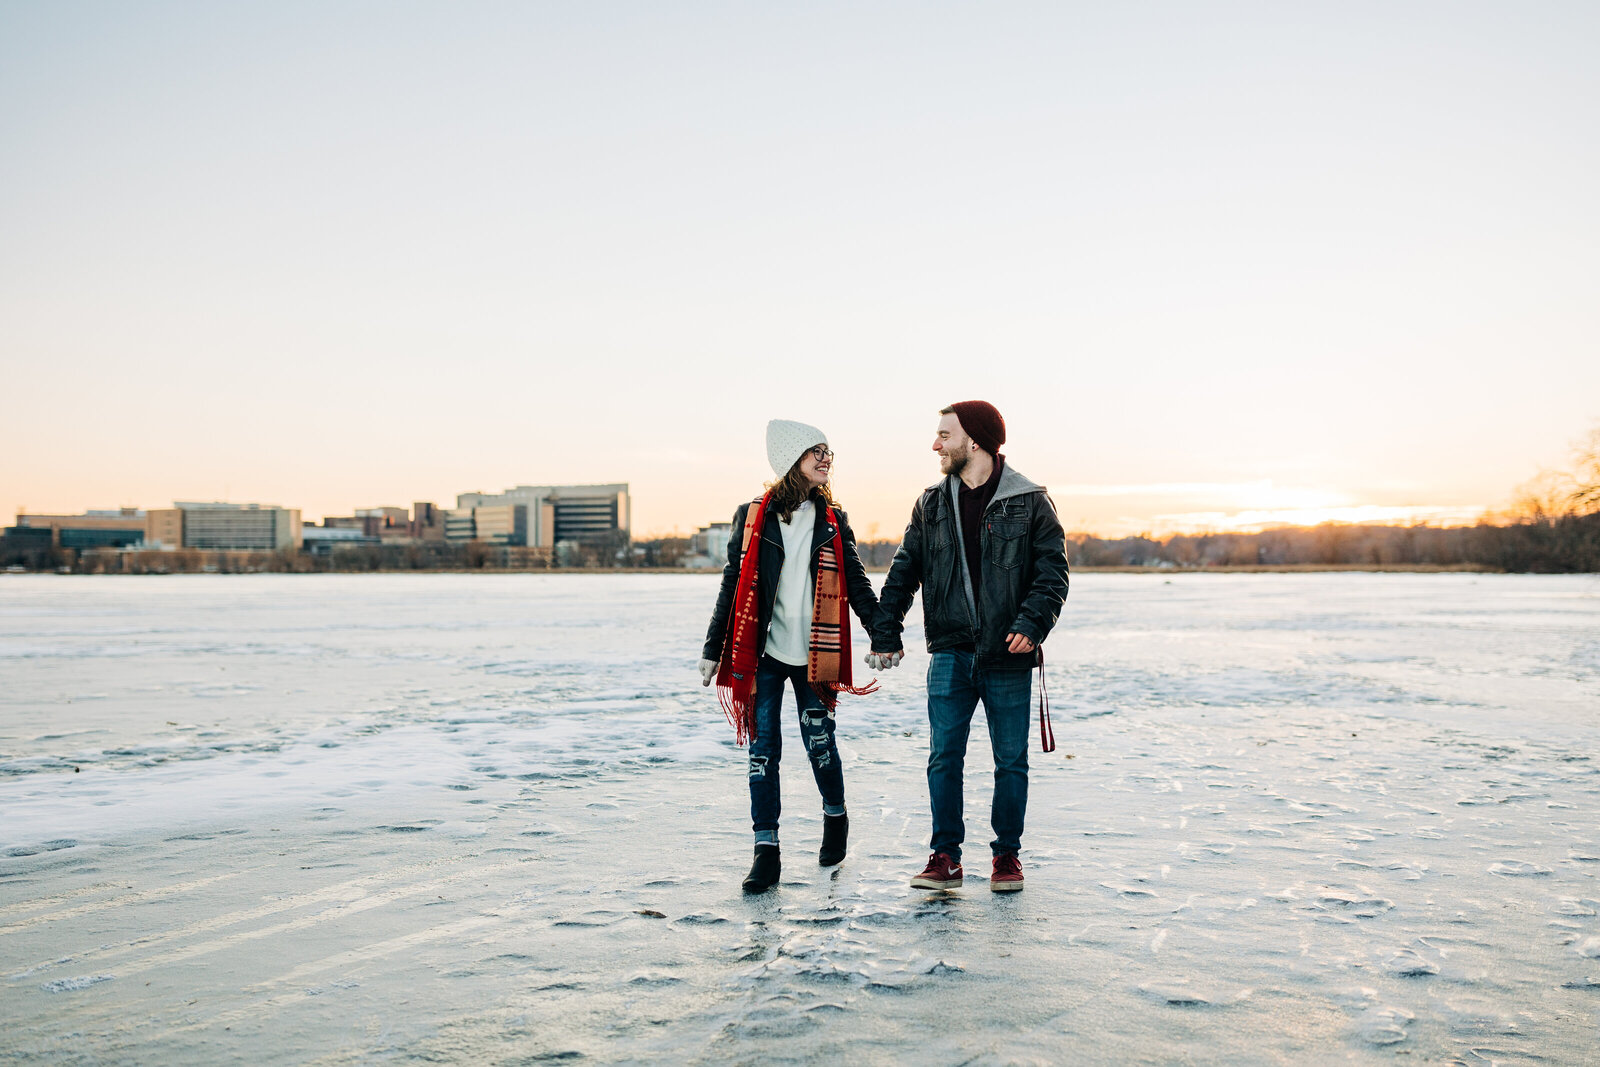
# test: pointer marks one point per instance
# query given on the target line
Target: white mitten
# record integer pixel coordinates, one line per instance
(708, 671)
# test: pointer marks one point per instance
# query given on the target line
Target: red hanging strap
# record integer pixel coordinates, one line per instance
(1047, 736)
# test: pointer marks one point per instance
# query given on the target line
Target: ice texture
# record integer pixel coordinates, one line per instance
(496, 818)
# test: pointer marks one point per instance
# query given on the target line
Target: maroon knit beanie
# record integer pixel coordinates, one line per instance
(982, 423)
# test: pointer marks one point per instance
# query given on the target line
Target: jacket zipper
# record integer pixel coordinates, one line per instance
(973, 601)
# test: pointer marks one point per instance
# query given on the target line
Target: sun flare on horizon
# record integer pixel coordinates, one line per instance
(1166, 509)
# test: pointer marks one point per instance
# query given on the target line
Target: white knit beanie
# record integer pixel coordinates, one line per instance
(786, 441)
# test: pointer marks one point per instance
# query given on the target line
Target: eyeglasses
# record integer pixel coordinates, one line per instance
(820, 454)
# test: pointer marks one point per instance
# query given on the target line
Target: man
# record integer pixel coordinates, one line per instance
(987, 550)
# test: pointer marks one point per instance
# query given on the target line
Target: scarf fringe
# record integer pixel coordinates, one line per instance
(740, 718)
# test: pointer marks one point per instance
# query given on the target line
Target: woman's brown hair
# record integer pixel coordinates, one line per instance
(793, 489)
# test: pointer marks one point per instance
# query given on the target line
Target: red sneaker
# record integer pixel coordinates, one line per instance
(941, 873)
(1007, 876)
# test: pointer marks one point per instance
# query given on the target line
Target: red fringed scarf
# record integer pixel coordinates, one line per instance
(828, 665)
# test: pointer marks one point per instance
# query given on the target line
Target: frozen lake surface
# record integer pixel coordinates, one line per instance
(339, 819)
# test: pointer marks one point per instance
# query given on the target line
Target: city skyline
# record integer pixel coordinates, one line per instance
(1218, 266)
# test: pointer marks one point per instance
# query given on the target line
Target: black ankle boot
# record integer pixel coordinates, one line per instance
(764, 871)
(835, 832)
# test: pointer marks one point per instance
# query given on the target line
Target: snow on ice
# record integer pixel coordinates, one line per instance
(496, 818)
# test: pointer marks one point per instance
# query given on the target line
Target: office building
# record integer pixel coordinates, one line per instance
(459, 525)
(108, 528)
(26, 546)
(163, 528)
(501, 524)
(587, 514)
(220, 525)
(387, 522)
(392, 525)
(322, 540)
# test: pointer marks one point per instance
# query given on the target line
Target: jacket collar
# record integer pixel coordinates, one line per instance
(1014, 484)
(822, 530)
(1011, 484)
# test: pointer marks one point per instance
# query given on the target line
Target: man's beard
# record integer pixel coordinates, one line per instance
(955, 462)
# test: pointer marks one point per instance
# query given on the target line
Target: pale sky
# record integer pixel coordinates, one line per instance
(1213, 262)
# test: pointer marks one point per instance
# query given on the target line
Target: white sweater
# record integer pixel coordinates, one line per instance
(789, 633)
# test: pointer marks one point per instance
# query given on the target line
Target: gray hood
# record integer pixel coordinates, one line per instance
(1012, 483)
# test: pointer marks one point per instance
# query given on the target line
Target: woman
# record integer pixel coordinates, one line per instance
(782, 616)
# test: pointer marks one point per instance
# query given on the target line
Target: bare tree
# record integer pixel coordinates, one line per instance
(1586, 473)
(1543, 498)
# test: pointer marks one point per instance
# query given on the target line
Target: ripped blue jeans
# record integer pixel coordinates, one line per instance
(766, 747)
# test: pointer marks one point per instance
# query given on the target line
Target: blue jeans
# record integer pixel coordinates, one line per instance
(766, 747)
(955, 685)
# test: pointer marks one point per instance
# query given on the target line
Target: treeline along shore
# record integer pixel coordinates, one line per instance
(1547, 543)
(1552, 528)
(1551, 544)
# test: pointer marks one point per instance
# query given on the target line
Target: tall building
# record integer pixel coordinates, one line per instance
(224, 526)
(593, 514)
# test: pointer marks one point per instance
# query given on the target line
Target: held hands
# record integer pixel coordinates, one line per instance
(708, 671)
(883, 661)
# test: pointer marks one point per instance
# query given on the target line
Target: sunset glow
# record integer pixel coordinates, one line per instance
(1263, 519)
(1250, 506)
(1220, 266)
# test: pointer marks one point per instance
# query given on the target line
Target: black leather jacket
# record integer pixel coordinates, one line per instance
(862, 599)
(1023, 577)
